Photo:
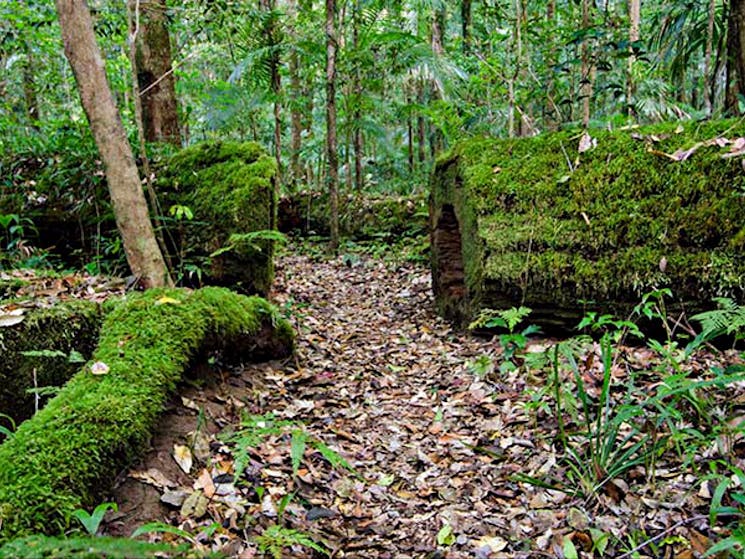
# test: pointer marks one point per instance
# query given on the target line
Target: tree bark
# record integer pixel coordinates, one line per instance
(29, 88)
(332, 162)
(735, 54)
(271, 40)
(634, 24)
(128, 202)
(357, 92)
(154, 71)
(296, 122)
(707, 59)
(586, 71)
(466, 12)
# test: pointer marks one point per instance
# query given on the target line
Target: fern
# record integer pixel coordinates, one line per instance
(507, 318)
(43, 547)
(728, 319)
(276, 538)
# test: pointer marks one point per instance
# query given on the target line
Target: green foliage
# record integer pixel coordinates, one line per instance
(92, 521)
(276, 538)
(65, 456)
(255, 429)
(728, 319)
(43, 547)
(513, 343)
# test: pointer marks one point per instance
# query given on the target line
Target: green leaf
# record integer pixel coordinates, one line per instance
(445, 536)
(162, 528)
(91, 522)
(570, 552)
(297, 448)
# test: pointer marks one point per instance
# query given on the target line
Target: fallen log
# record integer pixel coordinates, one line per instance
(67, 456)
(569, 222)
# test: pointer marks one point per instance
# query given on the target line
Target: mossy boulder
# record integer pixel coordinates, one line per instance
(535, 222)
(230, 189)
(41, 350)
(68, 454)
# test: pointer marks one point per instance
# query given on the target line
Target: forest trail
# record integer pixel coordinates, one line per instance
(383, 381)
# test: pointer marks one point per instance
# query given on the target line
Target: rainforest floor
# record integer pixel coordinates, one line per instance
(437, 439)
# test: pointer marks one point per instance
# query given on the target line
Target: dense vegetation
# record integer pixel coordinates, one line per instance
(213, 123)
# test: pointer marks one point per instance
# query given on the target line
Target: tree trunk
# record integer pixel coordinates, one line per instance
(634, 23)
(357, 92)
(296, 123)
(128, 202)
(332, 162)
(735, 55)
(466, 12)
(154, 71)
(29, 89)
(552, 123)
(586, 70)
(707, 58)
(271, 40)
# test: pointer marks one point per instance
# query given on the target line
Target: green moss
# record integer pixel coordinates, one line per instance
(230, 188)
(65, 327)
(68, 454)
(360, 217)
(563, 226)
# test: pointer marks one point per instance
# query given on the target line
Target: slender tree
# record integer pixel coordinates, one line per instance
(152, 60)
(332, 161)
(735, 54)
(130, 210)
(708, 101)
(634, 25)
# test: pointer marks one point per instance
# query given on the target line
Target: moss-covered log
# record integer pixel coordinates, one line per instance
(230, 189)
(68, 454)
(360, 217)
(48, 336)
(535, 222)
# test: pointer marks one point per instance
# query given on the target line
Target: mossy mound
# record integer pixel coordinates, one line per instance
(230, 189)
(89, 547)
(535, 222)
(55, 335)
(69, 453)
(360, 217)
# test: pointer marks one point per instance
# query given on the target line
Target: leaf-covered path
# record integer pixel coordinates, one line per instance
(382, 381)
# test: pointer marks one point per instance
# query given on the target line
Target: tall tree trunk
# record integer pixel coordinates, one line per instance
(130, 210)
(586, 69)
(420, 124)
(296, 123)
(466, 12)
(357, 92)
(154, 71)
(735, 54)
(708, 103)
(552, 122)
(634, 24)
(332, 161)
(272, 41)
(29, 88)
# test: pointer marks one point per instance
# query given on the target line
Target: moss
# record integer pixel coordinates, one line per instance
(543, 224)
(68, 454)
(65, 327)
(360, 217)
(230, 188)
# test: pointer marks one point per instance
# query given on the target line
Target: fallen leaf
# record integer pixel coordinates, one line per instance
(99, 368)
(182, 456)
(167, 301)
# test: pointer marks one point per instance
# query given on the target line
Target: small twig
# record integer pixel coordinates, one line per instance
(662, 534)
(36, 393)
